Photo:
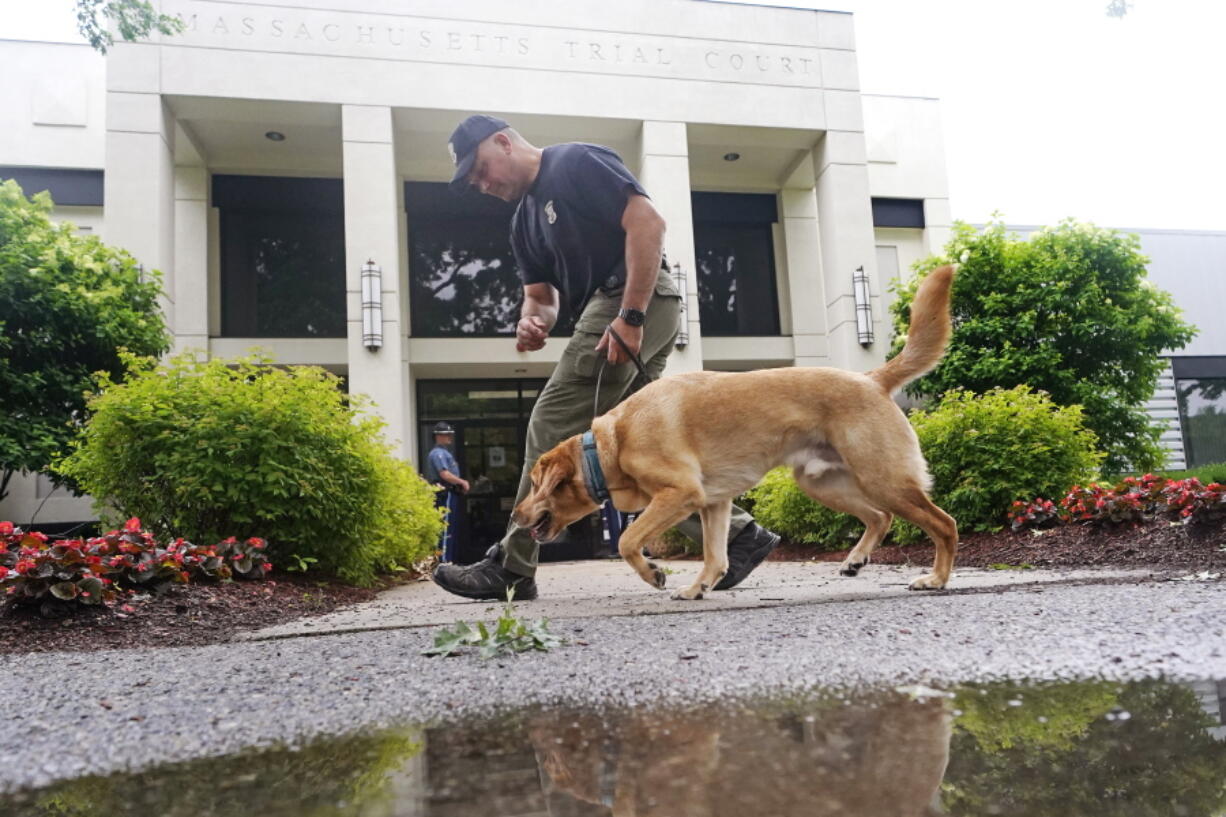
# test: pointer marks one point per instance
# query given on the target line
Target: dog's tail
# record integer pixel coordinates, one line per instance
(926, 339)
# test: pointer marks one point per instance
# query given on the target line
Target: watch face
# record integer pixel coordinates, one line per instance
(632, 316)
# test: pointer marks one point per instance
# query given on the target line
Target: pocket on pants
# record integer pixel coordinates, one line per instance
(580, 361)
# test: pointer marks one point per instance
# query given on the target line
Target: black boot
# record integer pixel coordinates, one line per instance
(746, 551)
(486, 579)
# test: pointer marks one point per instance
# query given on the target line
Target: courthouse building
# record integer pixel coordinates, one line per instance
(266, 156)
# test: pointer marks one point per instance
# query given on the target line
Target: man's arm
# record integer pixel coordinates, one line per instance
(537, 316)
(644, 228)
(460, 482)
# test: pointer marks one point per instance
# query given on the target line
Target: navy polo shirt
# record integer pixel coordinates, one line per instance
(567, 230)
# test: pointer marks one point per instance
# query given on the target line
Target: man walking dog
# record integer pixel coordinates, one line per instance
(584, 231)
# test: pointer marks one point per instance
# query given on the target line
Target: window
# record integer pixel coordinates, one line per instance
(462, 276)
(1202, 413)
(734, 248)
(282, 256)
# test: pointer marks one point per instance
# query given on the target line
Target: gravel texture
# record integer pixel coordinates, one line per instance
(70, 714)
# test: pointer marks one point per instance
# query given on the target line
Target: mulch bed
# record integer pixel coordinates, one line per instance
(1155, 544)
(194, 615)
(186, 616)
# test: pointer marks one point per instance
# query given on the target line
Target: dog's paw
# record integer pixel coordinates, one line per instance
(658, 577)
(691, 593)
(929, 582)
(851, 568)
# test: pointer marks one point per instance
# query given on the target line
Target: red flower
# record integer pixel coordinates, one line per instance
(4, 571)
(6, 528)
(132, 525)
(267, 566)
(24, 566)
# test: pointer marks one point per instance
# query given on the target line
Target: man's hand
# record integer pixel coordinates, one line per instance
(530, 334)
(632, 335)
(463, 485)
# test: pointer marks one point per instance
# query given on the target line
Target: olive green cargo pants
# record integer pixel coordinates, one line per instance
(564, 406)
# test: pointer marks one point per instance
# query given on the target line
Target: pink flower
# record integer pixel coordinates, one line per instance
(132, 525)
(6, 528)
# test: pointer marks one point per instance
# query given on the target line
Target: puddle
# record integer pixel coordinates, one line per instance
(1087, 748)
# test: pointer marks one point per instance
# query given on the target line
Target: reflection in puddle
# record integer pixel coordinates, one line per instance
(1091, 748)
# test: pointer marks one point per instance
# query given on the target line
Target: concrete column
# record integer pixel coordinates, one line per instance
(191, 261)
(845, 225)
(372, 232)
(938, 225)
(665, 174)
(138, 203)
(408, 377)
(806, 299)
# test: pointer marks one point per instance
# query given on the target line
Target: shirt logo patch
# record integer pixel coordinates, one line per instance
(550, 213)
(451, 150)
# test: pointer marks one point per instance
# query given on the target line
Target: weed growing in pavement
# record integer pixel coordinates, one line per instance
(508, 635)
(1006, 566)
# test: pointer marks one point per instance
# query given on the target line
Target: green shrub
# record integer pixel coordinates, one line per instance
(986, 451)
(780, 505)
(240, 448)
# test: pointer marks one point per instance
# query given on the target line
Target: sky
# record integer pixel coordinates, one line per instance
(1050, 108)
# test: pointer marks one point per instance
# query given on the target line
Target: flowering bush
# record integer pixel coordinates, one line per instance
(1135, 500)
(101, 570)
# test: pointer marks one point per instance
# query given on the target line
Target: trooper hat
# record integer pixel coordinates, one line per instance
(463, 144)
(443, 427)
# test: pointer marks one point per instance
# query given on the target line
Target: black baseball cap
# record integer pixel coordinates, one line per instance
(463, 144)
(443, 427)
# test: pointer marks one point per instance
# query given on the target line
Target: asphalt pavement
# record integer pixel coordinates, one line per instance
(70, 714)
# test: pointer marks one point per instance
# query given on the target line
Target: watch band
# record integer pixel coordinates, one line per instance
(633, 317)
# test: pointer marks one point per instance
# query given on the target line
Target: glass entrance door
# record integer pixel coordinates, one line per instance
(491, 421)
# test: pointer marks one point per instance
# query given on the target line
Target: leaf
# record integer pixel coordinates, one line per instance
(67, 591)
(449, 641)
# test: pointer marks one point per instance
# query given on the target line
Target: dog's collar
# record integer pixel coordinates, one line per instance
(593, 474)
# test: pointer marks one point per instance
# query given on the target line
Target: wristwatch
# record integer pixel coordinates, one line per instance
(633, 317)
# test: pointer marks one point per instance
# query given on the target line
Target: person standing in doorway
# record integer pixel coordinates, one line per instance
(584, 231)
(443, 472)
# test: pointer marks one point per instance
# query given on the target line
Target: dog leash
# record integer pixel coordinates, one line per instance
(638, 364)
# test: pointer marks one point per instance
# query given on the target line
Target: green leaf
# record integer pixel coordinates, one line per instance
(64, 590)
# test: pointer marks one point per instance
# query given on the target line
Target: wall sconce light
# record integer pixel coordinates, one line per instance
(864, 307)
(372, 306)
(683, 331)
